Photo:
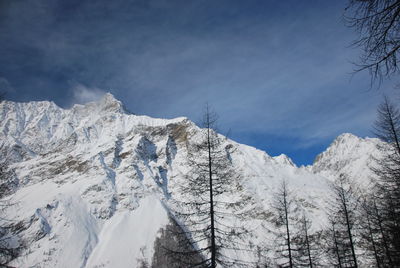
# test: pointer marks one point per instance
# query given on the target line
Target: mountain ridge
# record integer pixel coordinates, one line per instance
(87, 173)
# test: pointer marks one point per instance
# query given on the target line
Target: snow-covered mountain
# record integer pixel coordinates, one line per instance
(350, 155)
(94, 183)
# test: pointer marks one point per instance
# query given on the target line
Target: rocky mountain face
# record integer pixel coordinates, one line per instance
(93, 185)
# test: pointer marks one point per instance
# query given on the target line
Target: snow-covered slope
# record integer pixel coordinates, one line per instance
(350, 155)
(95, 183)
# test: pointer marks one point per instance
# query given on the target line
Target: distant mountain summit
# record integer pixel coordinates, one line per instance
(95, 184)
(108, 103)
(39, 127)
(350, 155)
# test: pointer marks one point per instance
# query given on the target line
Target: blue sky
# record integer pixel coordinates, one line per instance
(278, 73)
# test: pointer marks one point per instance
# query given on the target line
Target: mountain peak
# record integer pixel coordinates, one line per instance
(345, 137)
(349, 154)
(107, 103)
(342, 144)
(108, 97)
(284, 159)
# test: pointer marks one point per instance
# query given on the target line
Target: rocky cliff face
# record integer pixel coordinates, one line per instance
(94, 184)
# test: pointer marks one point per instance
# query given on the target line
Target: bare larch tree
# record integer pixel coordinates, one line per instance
(212, 201)
(377, 22)
(386, 199)
(283, 205)
(343, 217)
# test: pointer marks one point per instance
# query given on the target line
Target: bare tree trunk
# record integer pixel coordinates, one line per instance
(348, 225)
(371, 235)
(307, 241)
(384, 238)
(391, 121)
(287, 225)
(336, 245)
(213, 249)
(343, 214)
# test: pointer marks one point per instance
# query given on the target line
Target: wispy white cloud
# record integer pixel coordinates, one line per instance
(83, 94)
